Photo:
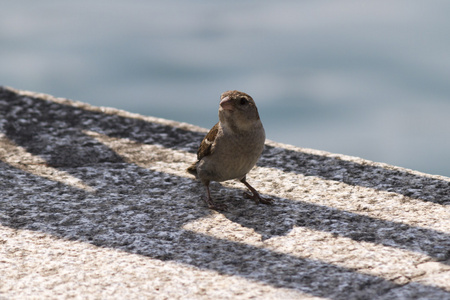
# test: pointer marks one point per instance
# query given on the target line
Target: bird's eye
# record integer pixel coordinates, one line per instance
(243, 101)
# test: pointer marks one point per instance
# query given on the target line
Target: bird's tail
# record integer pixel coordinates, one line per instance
(192, 169)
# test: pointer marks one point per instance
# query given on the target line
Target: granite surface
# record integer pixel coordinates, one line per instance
(95, 203)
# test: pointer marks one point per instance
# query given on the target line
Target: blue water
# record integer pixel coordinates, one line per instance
(362, 78)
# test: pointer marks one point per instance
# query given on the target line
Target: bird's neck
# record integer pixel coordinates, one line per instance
(232, 127)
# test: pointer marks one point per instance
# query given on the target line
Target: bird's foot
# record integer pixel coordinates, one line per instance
(258, 199)
(255, 197)
(215, 206)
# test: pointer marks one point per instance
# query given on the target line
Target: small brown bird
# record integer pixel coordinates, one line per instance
(232, 147)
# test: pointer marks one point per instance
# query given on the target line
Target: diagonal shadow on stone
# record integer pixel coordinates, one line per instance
(149, 222)
(141, 211)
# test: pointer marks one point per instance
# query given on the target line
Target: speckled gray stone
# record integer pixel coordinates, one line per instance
(95, 203)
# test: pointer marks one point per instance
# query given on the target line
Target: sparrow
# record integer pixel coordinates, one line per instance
(232, 146)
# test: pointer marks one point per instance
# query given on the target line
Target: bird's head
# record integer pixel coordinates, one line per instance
(238, 110)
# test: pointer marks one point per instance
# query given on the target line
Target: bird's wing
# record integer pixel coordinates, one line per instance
(206, 147)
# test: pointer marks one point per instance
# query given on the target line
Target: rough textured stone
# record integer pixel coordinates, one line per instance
(95, 203)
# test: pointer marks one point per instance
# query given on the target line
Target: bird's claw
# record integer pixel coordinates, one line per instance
(258, 199)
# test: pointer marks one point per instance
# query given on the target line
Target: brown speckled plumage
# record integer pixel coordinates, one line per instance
(232, 147)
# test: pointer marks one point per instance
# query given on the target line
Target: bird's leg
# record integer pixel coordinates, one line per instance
(255, 197)
(210, 202)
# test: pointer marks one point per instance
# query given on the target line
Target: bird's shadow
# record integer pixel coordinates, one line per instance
(280, 218)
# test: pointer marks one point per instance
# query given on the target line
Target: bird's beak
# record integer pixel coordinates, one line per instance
(226, 104)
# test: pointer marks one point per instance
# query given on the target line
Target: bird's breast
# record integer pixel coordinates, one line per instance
(234, 156)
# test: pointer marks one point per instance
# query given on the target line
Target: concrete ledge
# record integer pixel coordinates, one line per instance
(95, 203)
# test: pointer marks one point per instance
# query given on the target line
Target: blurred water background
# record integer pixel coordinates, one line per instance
(362, 78)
